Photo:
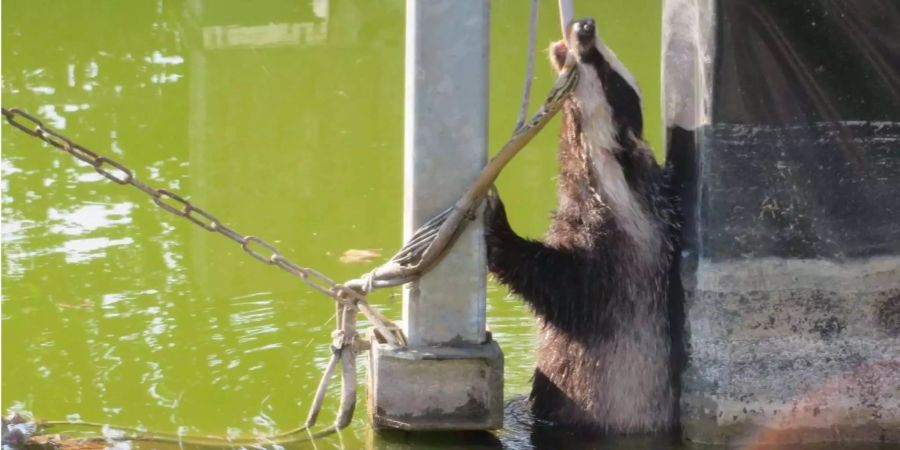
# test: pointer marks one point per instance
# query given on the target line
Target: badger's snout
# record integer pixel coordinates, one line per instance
(584, 30)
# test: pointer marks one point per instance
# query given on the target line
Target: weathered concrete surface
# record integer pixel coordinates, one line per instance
(784, 131)
(436, 388)
(791, 350)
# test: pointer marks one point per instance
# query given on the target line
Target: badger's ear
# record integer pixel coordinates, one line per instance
(559, 54)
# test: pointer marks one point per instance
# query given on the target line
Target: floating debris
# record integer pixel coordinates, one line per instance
(59, 442)
(85, 305)
(360, 256)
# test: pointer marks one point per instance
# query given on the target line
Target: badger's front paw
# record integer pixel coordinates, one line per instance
(497, 232)
(495, 221)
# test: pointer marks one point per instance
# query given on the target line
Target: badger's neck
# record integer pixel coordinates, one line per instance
(623, 195)
(602, 170)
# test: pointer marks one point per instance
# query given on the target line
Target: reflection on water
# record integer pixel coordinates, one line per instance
(285, 120)
(89, 217)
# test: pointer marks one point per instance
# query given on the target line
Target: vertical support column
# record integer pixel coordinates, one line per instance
(445, 147)
(451, 376)
(784, 132)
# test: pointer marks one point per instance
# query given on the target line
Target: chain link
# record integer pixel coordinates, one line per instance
(171, 202)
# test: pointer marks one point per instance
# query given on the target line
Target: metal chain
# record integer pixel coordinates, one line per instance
(169, 201)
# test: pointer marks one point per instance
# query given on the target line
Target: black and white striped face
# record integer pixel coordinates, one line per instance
(607, 93)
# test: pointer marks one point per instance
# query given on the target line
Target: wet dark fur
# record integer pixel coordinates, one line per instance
(599, 295)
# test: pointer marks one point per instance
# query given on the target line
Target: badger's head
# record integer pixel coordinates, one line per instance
(607, 99)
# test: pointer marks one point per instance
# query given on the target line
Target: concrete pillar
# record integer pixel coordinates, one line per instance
(451, 377)
(784, 129)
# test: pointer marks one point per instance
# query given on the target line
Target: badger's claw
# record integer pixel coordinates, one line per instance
(496, 224)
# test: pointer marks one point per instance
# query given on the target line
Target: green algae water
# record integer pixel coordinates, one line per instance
(283, 119)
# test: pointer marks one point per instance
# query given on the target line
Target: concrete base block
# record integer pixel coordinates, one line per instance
(436, 388)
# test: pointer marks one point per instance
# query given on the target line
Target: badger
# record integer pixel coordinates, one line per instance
(598, 282)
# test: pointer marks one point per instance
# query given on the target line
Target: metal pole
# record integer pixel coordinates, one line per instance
(445, 147)
(451, 376)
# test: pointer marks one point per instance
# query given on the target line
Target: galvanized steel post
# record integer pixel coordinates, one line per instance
(451, 376)
(445, 147)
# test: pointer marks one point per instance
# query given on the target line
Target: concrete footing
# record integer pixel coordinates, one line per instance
(436, 388)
